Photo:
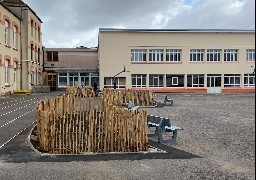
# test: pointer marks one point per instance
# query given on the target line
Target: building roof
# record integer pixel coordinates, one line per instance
(19, 3)
(174, 30)
(1, 3)
(79, 49)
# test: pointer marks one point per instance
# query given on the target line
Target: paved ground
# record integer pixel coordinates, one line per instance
(218, 142)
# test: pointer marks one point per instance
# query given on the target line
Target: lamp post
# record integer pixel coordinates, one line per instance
(117, 75)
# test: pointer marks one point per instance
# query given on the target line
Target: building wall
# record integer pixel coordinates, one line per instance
(72, 66)
(9, 52)
(115, 53)
(30, 66)
(32, 42)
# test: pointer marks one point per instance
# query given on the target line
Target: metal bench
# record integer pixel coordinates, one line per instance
(131, 107)
(163, 125)
(168, 101)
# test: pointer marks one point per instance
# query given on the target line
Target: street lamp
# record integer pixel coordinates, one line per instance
(117, 75)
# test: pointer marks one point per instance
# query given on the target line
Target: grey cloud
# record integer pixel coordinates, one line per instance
(75, 22)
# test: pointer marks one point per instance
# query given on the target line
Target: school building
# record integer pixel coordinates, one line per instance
(177, 60)
(70, 67)
(21, 56)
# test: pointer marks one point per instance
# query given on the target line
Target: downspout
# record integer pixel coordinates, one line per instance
(21, 84)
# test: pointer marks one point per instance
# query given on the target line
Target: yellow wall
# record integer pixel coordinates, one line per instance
(8, 52)
(115, 52)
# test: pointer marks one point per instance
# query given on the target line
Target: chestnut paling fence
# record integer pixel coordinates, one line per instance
(76, 123)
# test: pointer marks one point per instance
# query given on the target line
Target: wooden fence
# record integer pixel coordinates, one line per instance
(85, 91)
(74, 124)
(123, 96)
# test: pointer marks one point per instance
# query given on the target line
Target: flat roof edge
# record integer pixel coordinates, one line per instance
(174, 30)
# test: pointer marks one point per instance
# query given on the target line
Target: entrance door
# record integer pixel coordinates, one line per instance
(214, 84)
(51, 79)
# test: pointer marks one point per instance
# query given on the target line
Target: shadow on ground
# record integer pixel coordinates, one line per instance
(19, 151)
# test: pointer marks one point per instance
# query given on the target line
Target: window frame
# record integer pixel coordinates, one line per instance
(62, 76)
(230, 55)
(196, 77)
(250, 55)
(156, 80)
(73, 76)
(7, 72)
(111, 80)
(6, 32)
(230, 77)
(138, 55)
(141, 77)
(52, 55)
(173, 55)
(156, 55)
(197, 55)
(213, 53)
(15, 37)
(247, 78)
(85, 76)
(32, 27)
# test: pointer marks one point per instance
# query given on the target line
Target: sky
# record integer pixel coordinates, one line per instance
(73, 23)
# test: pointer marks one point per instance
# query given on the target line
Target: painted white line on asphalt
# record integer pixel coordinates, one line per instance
(11, 101)
(16, 135)
(17, 118)
(17, 103)
(17, 109)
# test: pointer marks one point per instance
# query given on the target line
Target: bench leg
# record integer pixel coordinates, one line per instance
(174, 135)
(161, 140)
(156, 131)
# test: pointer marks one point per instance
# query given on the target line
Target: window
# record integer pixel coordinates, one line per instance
(6, 73)
(250, 54)
(62, 80)
(52, 56)
(35, 30)
(195, 80)
(138, 55)
(173, 55)
(31, 52)
(231, 80)
(39, 33)
(155, 80)
(35, 56)
(139, 80)
(85, 79)
(6, 33)
(109, 82)
(15, 37)
(31, 28)
(249, 80)
(73, 79)
(94, 78)
(38, 56)
(32, 79)
(156, 55)
(213, 55)
(230, 55)
(196, 55)
(14, 73)
(174, 80)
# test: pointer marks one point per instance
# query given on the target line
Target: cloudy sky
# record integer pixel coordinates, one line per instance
(72, 23)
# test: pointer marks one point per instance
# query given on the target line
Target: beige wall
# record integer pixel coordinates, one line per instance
(115, 52)
(84, 59)
(30, 65)
(26, 65)
(8, 52)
